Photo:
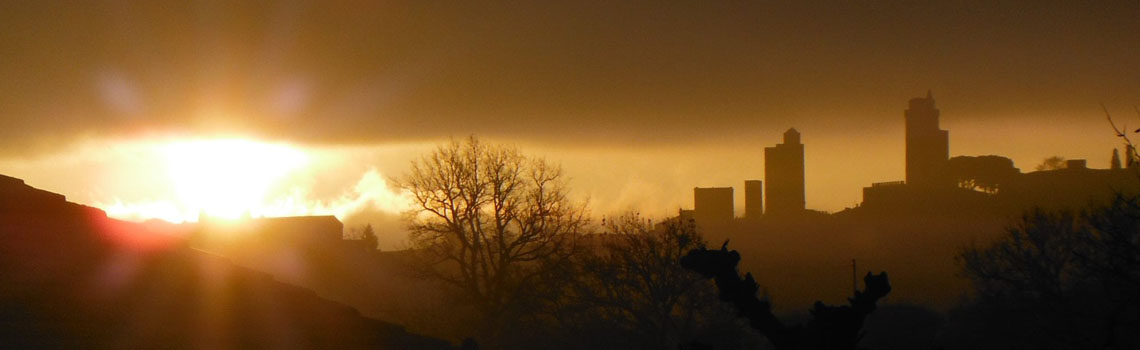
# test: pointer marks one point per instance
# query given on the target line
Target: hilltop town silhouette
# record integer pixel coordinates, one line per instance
(71, 277)
(934, 180)
(913, 228)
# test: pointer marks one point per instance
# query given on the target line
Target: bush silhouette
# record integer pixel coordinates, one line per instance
(831, 327)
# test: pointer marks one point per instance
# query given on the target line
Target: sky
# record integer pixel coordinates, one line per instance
(639, 100)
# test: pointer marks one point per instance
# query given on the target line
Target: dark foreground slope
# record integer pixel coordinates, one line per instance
(72, 278)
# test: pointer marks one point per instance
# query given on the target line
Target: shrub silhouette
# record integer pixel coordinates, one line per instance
(831, 327)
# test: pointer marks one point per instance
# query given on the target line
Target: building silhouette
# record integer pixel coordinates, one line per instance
(784, 175)
(753, 199)
(927, 146)
(712, 205)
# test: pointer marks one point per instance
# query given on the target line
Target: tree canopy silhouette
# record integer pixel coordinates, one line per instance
(1074, 279)
(371, 241)
(831, 327)
(1051, 163)
(985, 173)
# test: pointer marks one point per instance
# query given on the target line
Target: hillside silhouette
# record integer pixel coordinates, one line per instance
(72, 278)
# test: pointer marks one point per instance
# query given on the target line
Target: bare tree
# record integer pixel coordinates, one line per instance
(1130, 154)
(488, 221)
(631, 282)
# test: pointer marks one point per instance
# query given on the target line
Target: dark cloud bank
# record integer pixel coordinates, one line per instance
(358, 72)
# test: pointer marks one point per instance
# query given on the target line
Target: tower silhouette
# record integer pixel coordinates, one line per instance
(784, 175)
(927, 146)
(712, 205)
(753, 199)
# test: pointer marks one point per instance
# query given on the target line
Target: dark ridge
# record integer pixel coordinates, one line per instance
(70, 277)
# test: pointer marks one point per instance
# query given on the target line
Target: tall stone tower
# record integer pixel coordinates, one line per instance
(784, 175)
(927, 146)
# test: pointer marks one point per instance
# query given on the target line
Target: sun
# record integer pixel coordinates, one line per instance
(227, 178)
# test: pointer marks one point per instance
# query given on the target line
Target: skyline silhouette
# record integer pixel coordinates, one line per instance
(933, 177)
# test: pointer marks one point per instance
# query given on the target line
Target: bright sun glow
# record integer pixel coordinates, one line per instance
(227, 178)
(181, 180)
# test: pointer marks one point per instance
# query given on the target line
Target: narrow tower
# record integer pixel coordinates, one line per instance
(784, 175)
(927, 146)
(753, 199)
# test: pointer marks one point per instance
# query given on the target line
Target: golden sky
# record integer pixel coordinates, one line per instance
(640, 101)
